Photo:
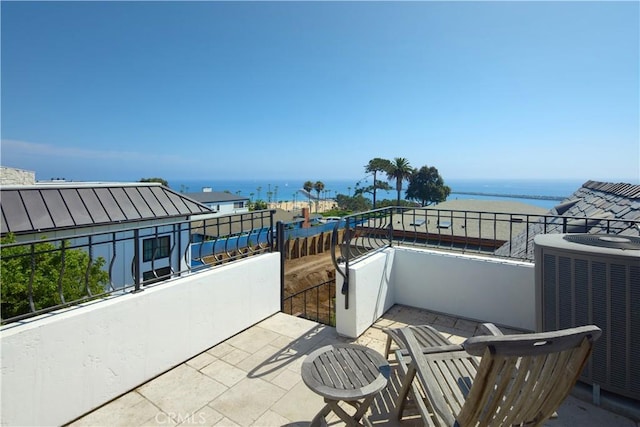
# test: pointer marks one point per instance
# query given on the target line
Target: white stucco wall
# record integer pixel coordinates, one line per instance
(370, 293)
(474, 287)
(58, 367)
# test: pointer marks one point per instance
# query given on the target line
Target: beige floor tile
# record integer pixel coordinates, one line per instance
(363, 340)
(271, 418)
(575, 412)
(443, 320)
(245, 402)
(253, 339)
(299, 404)
(224, 373)
(283, 341)
(376, 332)
(265, 361)
(160, 419)
(123, 402)
(201, 360)
(291, 326)
(182, 390)
(383, 322)
(235, 356)
(129, 409)
(226, 422)
(205, 416)
(229, 386)
(467, 326)
(456, 339)
(221, 349)
(286, 379)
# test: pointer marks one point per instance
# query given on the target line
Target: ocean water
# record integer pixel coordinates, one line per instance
(288, 190)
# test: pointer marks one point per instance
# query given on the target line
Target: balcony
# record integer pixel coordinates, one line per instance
(210, 346)
(254, 378)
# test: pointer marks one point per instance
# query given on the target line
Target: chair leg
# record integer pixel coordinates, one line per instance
(387, 347)
(404, 391)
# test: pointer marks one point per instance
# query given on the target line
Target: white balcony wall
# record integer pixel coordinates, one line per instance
(474, 287)
(370, 293)
(58, 367)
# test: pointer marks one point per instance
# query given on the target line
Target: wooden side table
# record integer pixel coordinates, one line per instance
(345, 372)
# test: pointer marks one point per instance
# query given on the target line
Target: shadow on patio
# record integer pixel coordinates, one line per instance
(253, 379)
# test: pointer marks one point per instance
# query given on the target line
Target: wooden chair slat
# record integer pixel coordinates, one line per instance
(520, 379)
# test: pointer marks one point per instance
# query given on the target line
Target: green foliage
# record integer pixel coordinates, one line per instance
(308, 186)
(160, 180)
(259, 205)
(374, 166)
(318, 186)
(427, 186)
(385, 203)
(353, 204)
(46, 266)
(380, 185)
(399, 170)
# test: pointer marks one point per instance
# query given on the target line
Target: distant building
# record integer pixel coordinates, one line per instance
(110, 220)
(13, 176)
(220, 202)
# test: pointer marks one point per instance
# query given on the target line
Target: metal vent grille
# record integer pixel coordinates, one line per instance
(601, 287)
(605, 240)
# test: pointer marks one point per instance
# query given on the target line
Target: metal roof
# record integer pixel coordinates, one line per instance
(594, 200)
(38, 208)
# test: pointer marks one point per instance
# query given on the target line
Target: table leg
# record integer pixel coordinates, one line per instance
(363, 407)
(321, 416)
(360, 406)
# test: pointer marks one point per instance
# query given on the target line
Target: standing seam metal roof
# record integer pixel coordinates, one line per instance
(28, 209)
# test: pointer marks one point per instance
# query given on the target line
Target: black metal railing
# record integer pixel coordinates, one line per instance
(494, 233)
(315, 303)
(499, 234)
(41, 274)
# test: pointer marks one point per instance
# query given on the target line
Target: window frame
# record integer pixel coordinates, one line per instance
(160, 247)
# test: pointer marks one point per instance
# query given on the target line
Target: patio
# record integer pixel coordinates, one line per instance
(253, 379)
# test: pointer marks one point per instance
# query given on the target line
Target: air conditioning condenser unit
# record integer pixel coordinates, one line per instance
(594, 279)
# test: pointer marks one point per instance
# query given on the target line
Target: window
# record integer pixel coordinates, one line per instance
(159, 275)
(155, 248)
(238, 205)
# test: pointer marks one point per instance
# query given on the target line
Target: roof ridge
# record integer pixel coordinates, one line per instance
(623, 189)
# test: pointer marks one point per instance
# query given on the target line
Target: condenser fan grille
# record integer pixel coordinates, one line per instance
(605, 240)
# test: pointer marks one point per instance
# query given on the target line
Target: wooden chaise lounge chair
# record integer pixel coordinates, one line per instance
(519, 379)
(426, 335)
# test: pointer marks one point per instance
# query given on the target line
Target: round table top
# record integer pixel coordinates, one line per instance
(345, 371)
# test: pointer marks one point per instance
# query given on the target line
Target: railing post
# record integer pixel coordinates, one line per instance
(391, 227)
(136, 260)
(281, 248)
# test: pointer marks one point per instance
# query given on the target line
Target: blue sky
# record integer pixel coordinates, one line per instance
(225, 90)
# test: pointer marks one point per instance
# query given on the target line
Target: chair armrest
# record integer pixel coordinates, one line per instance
(490, 329)
(532, 344)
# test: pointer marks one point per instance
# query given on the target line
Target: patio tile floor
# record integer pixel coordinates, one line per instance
(253, 379)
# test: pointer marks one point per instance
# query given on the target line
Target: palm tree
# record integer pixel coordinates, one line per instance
(308, 186)
(318, 186)
(377, 165)
(400, 170)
